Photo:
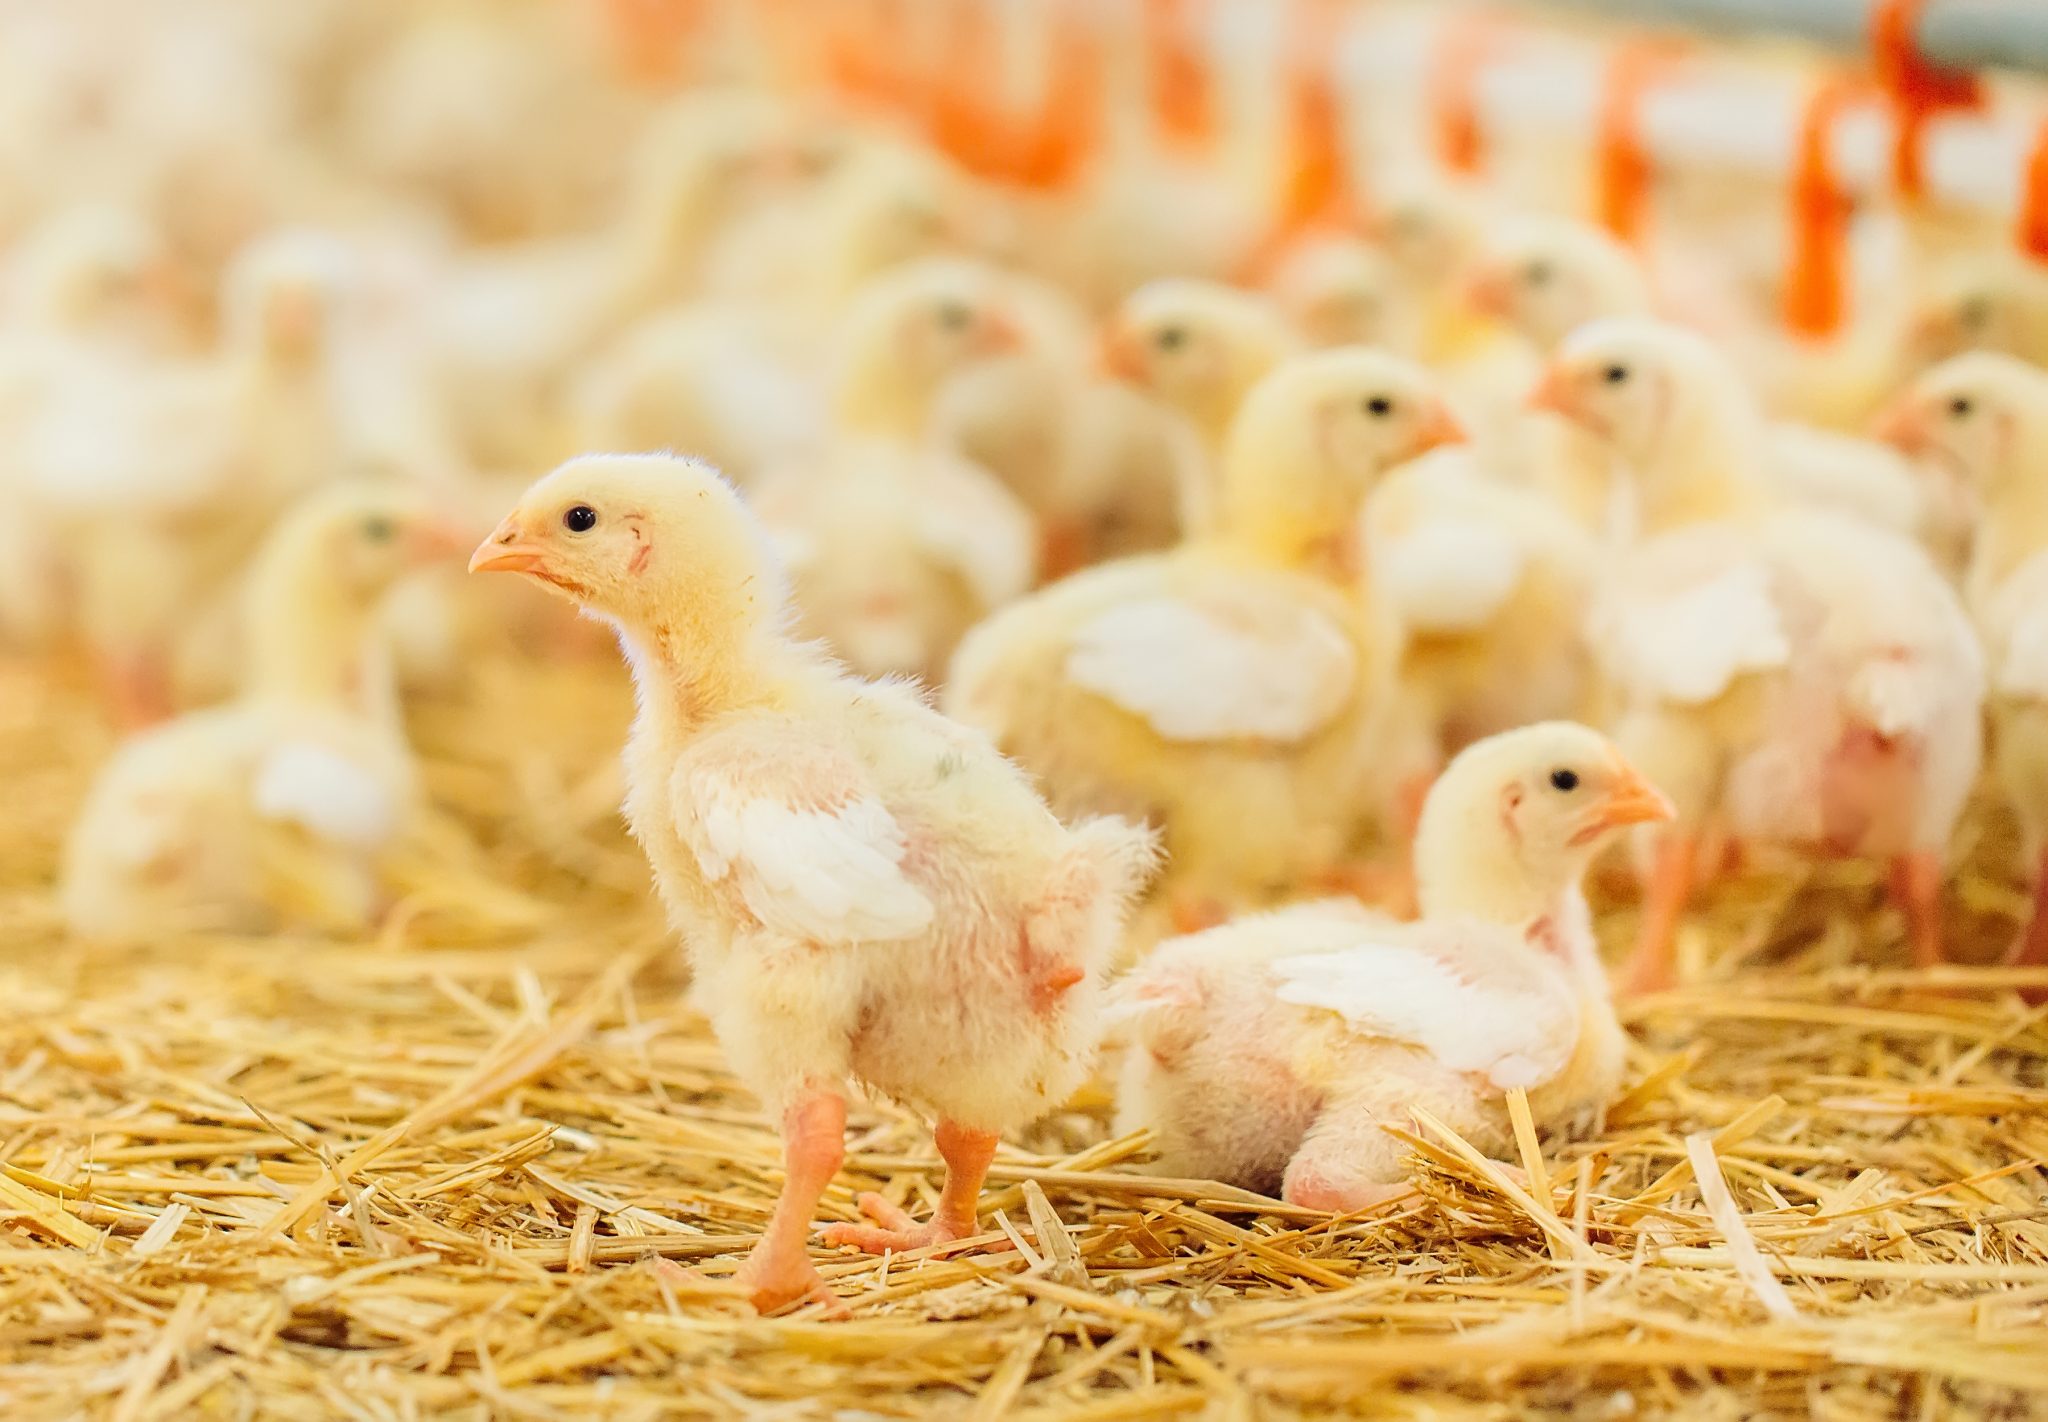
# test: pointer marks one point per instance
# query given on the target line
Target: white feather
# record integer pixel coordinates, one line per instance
(324, 793)
(1690, 647)
(1896, 696)
(1448, 575)
(1466, 993)
(823, 876)
(2023, 670)
(1263, 668)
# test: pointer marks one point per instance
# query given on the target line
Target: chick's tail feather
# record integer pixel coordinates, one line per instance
(1071, 931)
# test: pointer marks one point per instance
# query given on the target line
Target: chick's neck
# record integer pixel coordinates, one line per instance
(1706, 468)
(1466, 866)
(315, 640)
(690, 669)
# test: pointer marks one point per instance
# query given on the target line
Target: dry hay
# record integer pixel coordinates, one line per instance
(490, 1165)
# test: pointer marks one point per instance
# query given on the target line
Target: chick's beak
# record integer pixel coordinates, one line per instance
(1116, 355)
(1000, 333)
(1631, 800)
(1904, 426)
(1552, 392)
(1441, 426)
(1486, 291)
(507, 551)
(434, 540)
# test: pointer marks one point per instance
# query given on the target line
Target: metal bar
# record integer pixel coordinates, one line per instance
(1956, 34)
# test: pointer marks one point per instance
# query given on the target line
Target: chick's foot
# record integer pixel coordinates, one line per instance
(893, 1230)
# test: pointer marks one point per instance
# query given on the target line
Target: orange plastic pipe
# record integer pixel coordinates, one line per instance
(1065, 133)
(648, 36)
(1917, 89)
(1622, 168)
(2033, 222)
(1182, 90)
(1319, 181)
(1816, 286)
(1465, 45)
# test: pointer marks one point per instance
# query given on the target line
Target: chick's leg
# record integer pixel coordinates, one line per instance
(2032, 949)
(1347, 1162)
(1649, 969)
(967, 1154)
(1915, 886)
(778, 1271)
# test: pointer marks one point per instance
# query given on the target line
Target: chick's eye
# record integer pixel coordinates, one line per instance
(1615, 374)
(1379, 406)
(579, 518)
(1961, 406)
(1537, 274)
(379, 529)
(1170, 338)
(954, 316)
(1565, 780)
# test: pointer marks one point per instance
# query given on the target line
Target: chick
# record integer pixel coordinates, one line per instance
(1229, 690)
(1197, 348)
(1274, 1052)
(1982, 302)
(273, 808)
(865, 888)
(1982, 420)
(1796, 677)
(1343, 291)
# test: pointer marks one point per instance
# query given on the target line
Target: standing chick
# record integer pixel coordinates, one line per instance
(1983, 420)
(1797, 677)
(1272, 1053)
(273, 807)
(866, 889)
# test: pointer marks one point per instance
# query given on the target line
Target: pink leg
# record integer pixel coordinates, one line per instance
(2032, 949)
(967, 1154)
(1915, 886)
(778, 1271)
(1664, 897)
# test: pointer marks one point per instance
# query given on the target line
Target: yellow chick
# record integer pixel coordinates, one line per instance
(1197, 348)
(1488, 585)
(1799, 678)
(1344, 291)
(1982, 419)
(1982, 302)
(1274, 1052)
(1230, 690)
(865, 888)
(273, 808)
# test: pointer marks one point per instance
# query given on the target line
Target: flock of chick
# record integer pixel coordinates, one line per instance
(1234, 600)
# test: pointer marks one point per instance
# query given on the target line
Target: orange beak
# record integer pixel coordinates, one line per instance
(1903, 425)
(1633, 800)
(505, 551)
(1443, 427)
(435, 540)
(1000, 333)
(1117, 356)
(1552, 392)
(1488, 292)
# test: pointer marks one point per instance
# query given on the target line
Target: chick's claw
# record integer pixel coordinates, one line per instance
(774, 1284)
(893, 1230)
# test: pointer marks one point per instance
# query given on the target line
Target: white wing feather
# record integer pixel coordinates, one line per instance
(326, 794)
(1448, 575)
(1690, 647)
(1264, 669)
(821, 875)
(1504, 1017)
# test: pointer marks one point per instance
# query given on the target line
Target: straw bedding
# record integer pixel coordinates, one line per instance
(489, 1165)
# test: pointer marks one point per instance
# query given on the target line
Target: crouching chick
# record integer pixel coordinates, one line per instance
(1271, 1053)
(867, 890)
(273, 808)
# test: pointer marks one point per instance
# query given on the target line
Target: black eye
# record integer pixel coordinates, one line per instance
(1961, 406)
(579, 518)
(954, 316)
(1379, 407)
(1537, 274)
(1975, 312)
(1615, 374)
(1565, 780)
(1170, 338)
(379, 529)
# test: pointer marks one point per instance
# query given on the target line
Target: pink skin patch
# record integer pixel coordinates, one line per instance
(1046, 980)
(1869, 783)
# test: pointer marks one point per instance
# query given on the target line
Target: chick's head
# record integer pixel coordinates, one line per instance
(913, 329)
(1970, 418)
(1341, 292)
(1548, 276)
(1313, 438)
(1980, 304)
(1197, 346)
(363, 537)
(282, 295)
(1635, 383)
(645, 540)
(1514, 820)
